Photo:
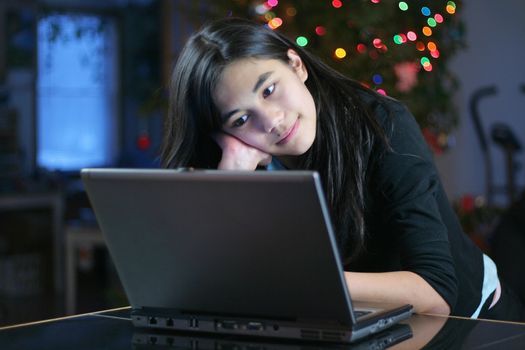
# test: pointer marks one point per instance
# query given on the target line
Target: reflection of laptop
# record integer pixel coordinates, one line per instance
(247, 253)
(160, 340)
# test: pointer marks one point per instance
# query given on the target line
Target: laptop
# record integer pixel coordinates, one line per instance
(230, 252)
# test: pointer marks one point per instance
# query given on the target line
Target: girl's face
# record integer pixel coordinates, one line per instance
(265, 104)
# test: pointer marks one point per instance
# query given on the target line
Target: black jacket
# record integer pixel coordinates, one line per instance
(411, 225)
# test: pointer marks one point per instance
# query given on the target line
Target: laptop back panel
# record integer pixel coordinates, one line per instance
(247, 244)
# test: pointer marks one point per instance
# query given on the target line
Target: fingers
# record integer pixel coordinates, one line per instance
(266, 160)
(237, 155)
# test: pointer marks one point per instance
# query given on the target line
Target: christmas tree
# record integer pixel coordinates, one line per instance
(398, 48)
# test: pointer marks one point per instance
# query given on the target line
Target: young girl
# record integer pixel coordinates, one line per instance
(246, 97)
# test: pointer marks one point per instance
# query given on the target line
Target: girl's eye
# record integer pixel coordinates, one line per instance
(240, 121)
(268, 91)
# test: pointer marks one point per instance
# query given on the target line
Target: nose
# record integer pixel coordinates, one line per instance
(271, 119)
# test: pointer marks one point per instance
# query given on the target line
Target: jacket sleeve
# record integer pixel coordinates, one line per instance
(407, 189)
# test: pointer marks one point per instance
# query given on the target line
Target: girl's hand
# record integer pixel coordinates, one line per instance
(237, 155)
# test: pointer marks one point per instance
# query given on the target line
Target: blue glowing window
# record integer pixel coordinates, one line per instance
(77, 91)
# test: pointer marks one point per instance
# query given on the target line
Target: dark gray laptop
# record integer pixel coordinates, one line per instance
(245, 253)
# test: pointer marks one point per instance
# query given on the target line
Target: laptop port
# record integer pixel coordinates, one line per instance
(228, 324)
(194, 323)
(254, 326)
(169, 322)
(152, 320)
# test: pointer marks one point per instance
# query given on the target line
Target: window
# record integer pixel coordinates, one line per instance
(77, 91)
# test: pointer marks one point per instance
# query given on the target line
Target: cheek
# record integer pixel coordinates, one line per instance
(248, 137)
(304, 98)
(309, 103)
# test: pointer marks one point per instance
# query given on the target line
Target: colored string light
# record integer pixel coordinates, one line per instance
(361, 48)
(144, 141)
(301, 41)
(400, 38)
(420, 46)
(438, 18)
(377, 79)
(275, 23)
(375, 1)
(340, 53)
(451, 7)
(381, 91)
(320, 30)
(431, 22)
(272, 3)
(435, 53)
(411, 36)
(337, 4)
(403, 6)
(397, 39)
(428, 67)
(425, 11)
(269, 16)
(427, 31)
(431, 46)
(261, 9)
(377, 43)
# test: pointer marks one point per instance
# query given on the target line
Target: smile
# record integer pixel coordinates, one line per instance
(288, 135)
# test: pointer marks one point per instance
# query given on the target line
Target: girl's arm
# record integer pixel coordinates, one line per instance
(236, 155)
(396, 287)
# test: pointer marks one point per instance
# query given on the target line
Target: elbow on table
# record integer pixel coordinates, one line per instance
(433, 302)
(437, 308)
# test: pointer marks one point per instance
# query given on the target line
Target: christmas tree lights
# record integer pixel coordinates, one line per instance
(398, 48)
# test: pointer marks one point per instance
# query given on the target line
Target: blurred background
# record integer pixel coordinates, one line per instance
(83, 84)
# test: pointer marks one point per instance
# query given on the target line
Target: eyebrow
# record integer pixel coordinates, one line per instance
(228, 115)
(262, 78)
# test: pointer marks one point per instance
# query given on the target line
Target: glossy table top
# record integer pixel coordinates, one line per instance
(113, 330)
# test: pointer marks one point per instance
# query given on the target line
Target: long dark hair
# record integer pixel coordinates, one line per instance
(347, 137)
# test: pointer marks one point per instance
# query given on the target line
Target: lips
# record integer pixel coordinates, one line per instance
(289, 134)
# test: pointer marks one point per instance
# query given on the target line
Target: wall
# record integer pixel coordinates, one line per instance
(495, 32)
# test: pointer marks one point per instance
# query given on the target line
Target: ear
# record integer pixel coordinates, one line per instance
(297, 64)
